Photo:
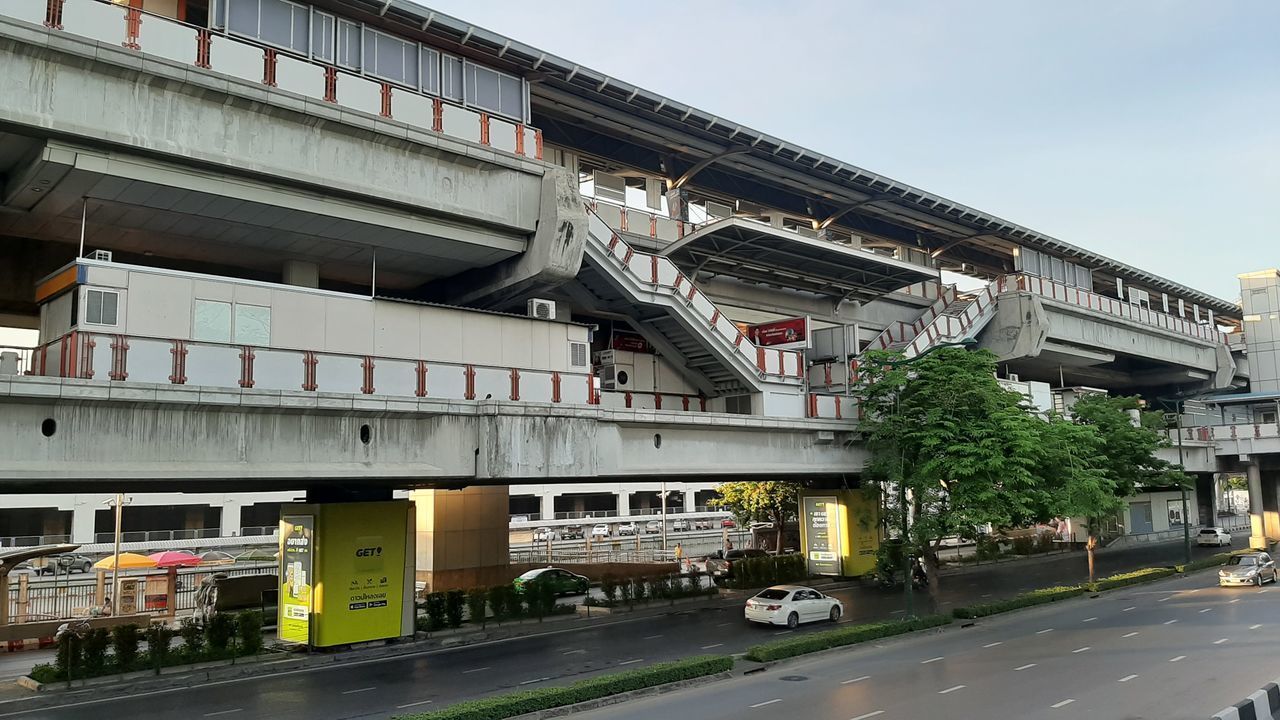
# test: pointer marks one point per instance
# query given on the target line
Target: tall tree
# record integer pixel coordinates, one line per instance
(964, 448)
(773, 501)
(1072, 469)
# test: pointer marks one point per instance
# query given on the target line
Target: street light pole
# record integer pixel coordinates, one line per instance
(664, 516)
(1186, 516)
(115, 563)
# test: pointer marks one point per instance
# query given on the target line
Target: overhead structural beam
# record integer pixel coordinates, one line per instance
(848, 209)
(706, 162)
(954, 243)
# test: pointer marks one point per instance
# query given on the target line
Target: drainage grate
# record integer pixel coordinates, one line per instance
(794, 678)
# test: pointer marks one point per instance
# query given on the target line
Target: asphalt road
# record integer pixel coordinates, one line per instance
(567, 651)
(1181, 649)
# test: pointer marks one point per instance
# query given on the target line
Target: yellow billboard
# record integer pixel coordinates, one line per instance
(359, 587)
(840, 531)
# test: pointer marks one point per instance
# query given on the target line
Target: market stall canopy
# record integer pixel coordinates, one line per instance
(128, 561)
(174, 558)
(216, 557)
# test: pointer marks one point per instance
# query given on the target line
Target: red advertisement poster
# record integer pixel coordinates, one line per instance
(633, 343)
(792, 331)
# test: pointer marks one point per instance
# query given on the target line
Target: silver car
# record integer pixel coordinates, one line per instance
(1248, 569)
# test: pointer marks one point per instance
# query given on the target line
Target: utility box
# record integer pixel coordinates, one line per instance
(840, 531)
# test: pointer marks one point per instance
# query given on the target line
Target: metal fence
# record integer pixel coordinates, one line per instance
(33, 540)
(136, 536)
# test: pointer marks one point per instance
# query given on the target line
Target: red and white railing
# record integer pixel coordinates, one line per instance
(898, 331)
(833, 407)
(640, 222)
(632, 400)
(1062, 292)
(197, 47)
(951, 328)
(660, 275)
(130, 358)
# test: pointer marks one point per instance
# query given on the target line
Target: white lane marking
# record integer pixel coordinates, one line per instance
(413, 704)
(358, 690)
(1131, 607)
(951, 689)
(871, 714)
(991, 645)
(1176, 659)
(476, 670)
(1086, 648)
(716, 645)
(573, 652)
(930, 660)
(784, 632)
(987, 595)
(224, 712)
(1127, 678)
(1028, 666)
(1057, 705)
(1254, 627)
(535, 680)
(1219, 641)
(1170, 622)
(896, 612)
(652, 637)
(1089, 619)
(1233, 602)
(1164, 599)
(1265, 590)
(854, 680)
(1206, 610)
(1046, 630)
(1129, 635)
(767, 702)
(632, 661)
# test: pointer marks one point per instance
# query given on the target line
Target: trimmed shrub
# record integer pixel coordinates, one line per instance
(44, 673)
(477, 599)
(609, 586)
(1024, 545)
(69, 658)
(249, 631)
(159, 638)
(641, 590)
(843, 636)
(454, 601)
(124, 643)
(1212, 561)
(192, 637)
(987, 548)
(528, 701)
(217, 634)
(96, 642)
(435, 611)
(498, 601)
(627, 591)
(1130, 578)
(1027, 599)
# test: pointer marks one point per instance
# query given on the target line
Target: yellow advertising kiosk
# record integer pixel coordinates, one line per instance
(840, 531)
(346, 572)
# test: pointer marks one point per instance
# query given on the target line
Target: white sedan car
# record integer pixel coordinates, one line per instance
(791, 605)
(1214, 536)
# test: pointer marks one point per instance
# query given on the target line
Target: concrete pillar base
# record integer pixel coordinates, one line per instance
(463, 537)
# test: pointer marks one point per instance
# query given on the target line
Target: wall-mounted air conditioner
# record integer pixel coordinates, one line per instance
(103, 255)
(617, 377)
(541, 309)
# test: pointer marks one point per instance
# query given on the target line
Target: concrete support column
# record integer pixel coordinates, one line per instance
(301, 273)
(1257, 538)
(690, 499)
(230, 524)
(1270, 482)
(82, 523)
(624, 502)
(547, 506)
(462, 537)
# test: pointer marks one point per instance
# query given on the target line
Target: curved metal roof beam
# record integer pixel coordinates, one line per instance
(704, 163)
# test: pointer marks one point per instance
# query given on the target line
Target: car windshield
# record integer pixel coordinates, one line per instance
(773, 594)
(531, 574)
(1243, 560)
(1209, 531)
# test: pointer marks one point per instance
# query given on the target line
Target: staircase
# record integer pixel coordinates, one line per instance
(962, 318)
(678, 319)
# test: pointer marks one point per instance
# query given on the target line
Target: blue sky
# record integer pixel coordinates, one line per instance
(1147, 131)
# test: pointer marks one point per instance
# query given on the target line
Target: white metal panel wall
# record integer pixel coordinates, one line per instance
(493, 381)
(168, 39)
(574, 389)
(395, 377)
(668, 229)
(610, 214)
(446, 381)
(359, 94)
(530, 142)
(32, 11)
(92, 19)
(237, 59)
(412, 108)
(461, 123)
(102, 356)
(278, 369)
(517, 337)
(213, 365)
(159, 306)
(535, 387)
(150, 361)
(339, 373)
(502, 134)
(300, 77)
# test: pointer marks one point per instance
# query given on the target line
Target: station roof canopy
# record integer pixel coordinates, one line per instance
(757, 252)
(598, 113)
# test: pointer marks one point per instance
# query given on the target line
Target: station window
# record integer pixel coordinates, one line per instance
(390, 58)
(496, 92)
(278, 22)
(451, 78)
(323, 28)
(224, 322)
(101, 307)
(349, 44)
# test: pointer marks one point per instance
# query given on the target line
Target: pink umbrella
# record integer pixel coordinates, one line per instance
(174, 558)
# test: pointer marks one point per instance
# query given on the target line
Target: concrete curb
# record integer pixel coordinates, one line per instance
(1263, 704)
(624, 697)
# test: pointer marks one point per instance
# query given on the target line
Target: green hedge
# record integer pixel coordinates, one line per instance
(1027, 599)
(1120, 580)
(844, 636)
(1211, 561)
(519, 703)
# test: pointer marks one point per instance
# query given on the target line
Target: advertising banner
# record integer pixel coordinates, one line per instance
(297, 550)
(822, 535)
(628, 341)
(783, 334)
(362, 550)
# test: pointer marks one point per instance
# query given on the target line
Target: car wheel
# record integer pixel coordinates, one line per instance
(1257, 580)
(84, 568)
(793, 620)
(835, 613)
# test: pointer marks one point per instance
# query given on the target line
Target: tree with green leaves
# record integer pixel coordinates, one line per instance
(772, 501)
(965, 450)
(1075, 483)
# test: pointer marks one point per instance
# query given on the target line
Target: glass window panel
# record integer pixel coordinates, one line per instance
(483, 88)
(300, 29)
(322, 36)
(349, 44)
(242, 17)
(253, 325)
(93, 308)
(109, 301)
(430, 65)
(511, 96)
(451, 78)
(212, 321)
(276, 22)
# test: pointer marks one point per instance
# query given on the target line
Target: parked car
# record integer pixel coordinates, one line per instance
(543, 534)
(519, 519)
(627, 528)
(1252, 568)
(571, 532)
(562, 581)
(221, 593)
(600, 531)
(722, 567)
(653, 527)
(1214, 536)
(680, 526)
(728, 523)
(791, 605)
(66, 564)
(761, 526)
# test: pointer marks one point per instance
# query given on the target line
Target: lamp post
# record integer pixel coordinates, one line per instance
(1182, 486)
(115, 564)
(907, 590)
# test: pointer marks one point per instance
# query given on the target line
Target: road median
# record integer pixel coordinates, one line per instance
(841, 637)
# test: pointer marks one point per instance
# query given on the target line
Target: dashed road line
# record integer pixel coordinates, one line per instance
(1046, 630)
(1219, 641)
(715, 645)
(951, 689)
(1086, 648)
(573, 652)
(224, 712)
(358, 690)
(991, 645)
(1089, 619)
(1129, 635)
(1057, 705)
(1170, 622)
(476, 670)
(1178, 658)
(1028, 666)
(651, 637)
(1206, 610)
(535, 680)
(1131, 607)
(414, 704)
(1233, 602)
(1254, 627)
(871, 714)
(854, 680)
(631, 661)
(767, 702)
(1127, 678)
(931, 660)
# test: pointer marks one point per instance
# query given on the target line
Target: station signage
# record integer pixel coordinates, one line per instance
(787, 334)
(822, 541)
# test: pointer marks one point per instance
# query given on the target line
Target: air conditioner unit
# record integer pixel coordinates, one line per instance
(103, 255)
(541, 309)
(605, 357)
(616, 377)
(1013, 377)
